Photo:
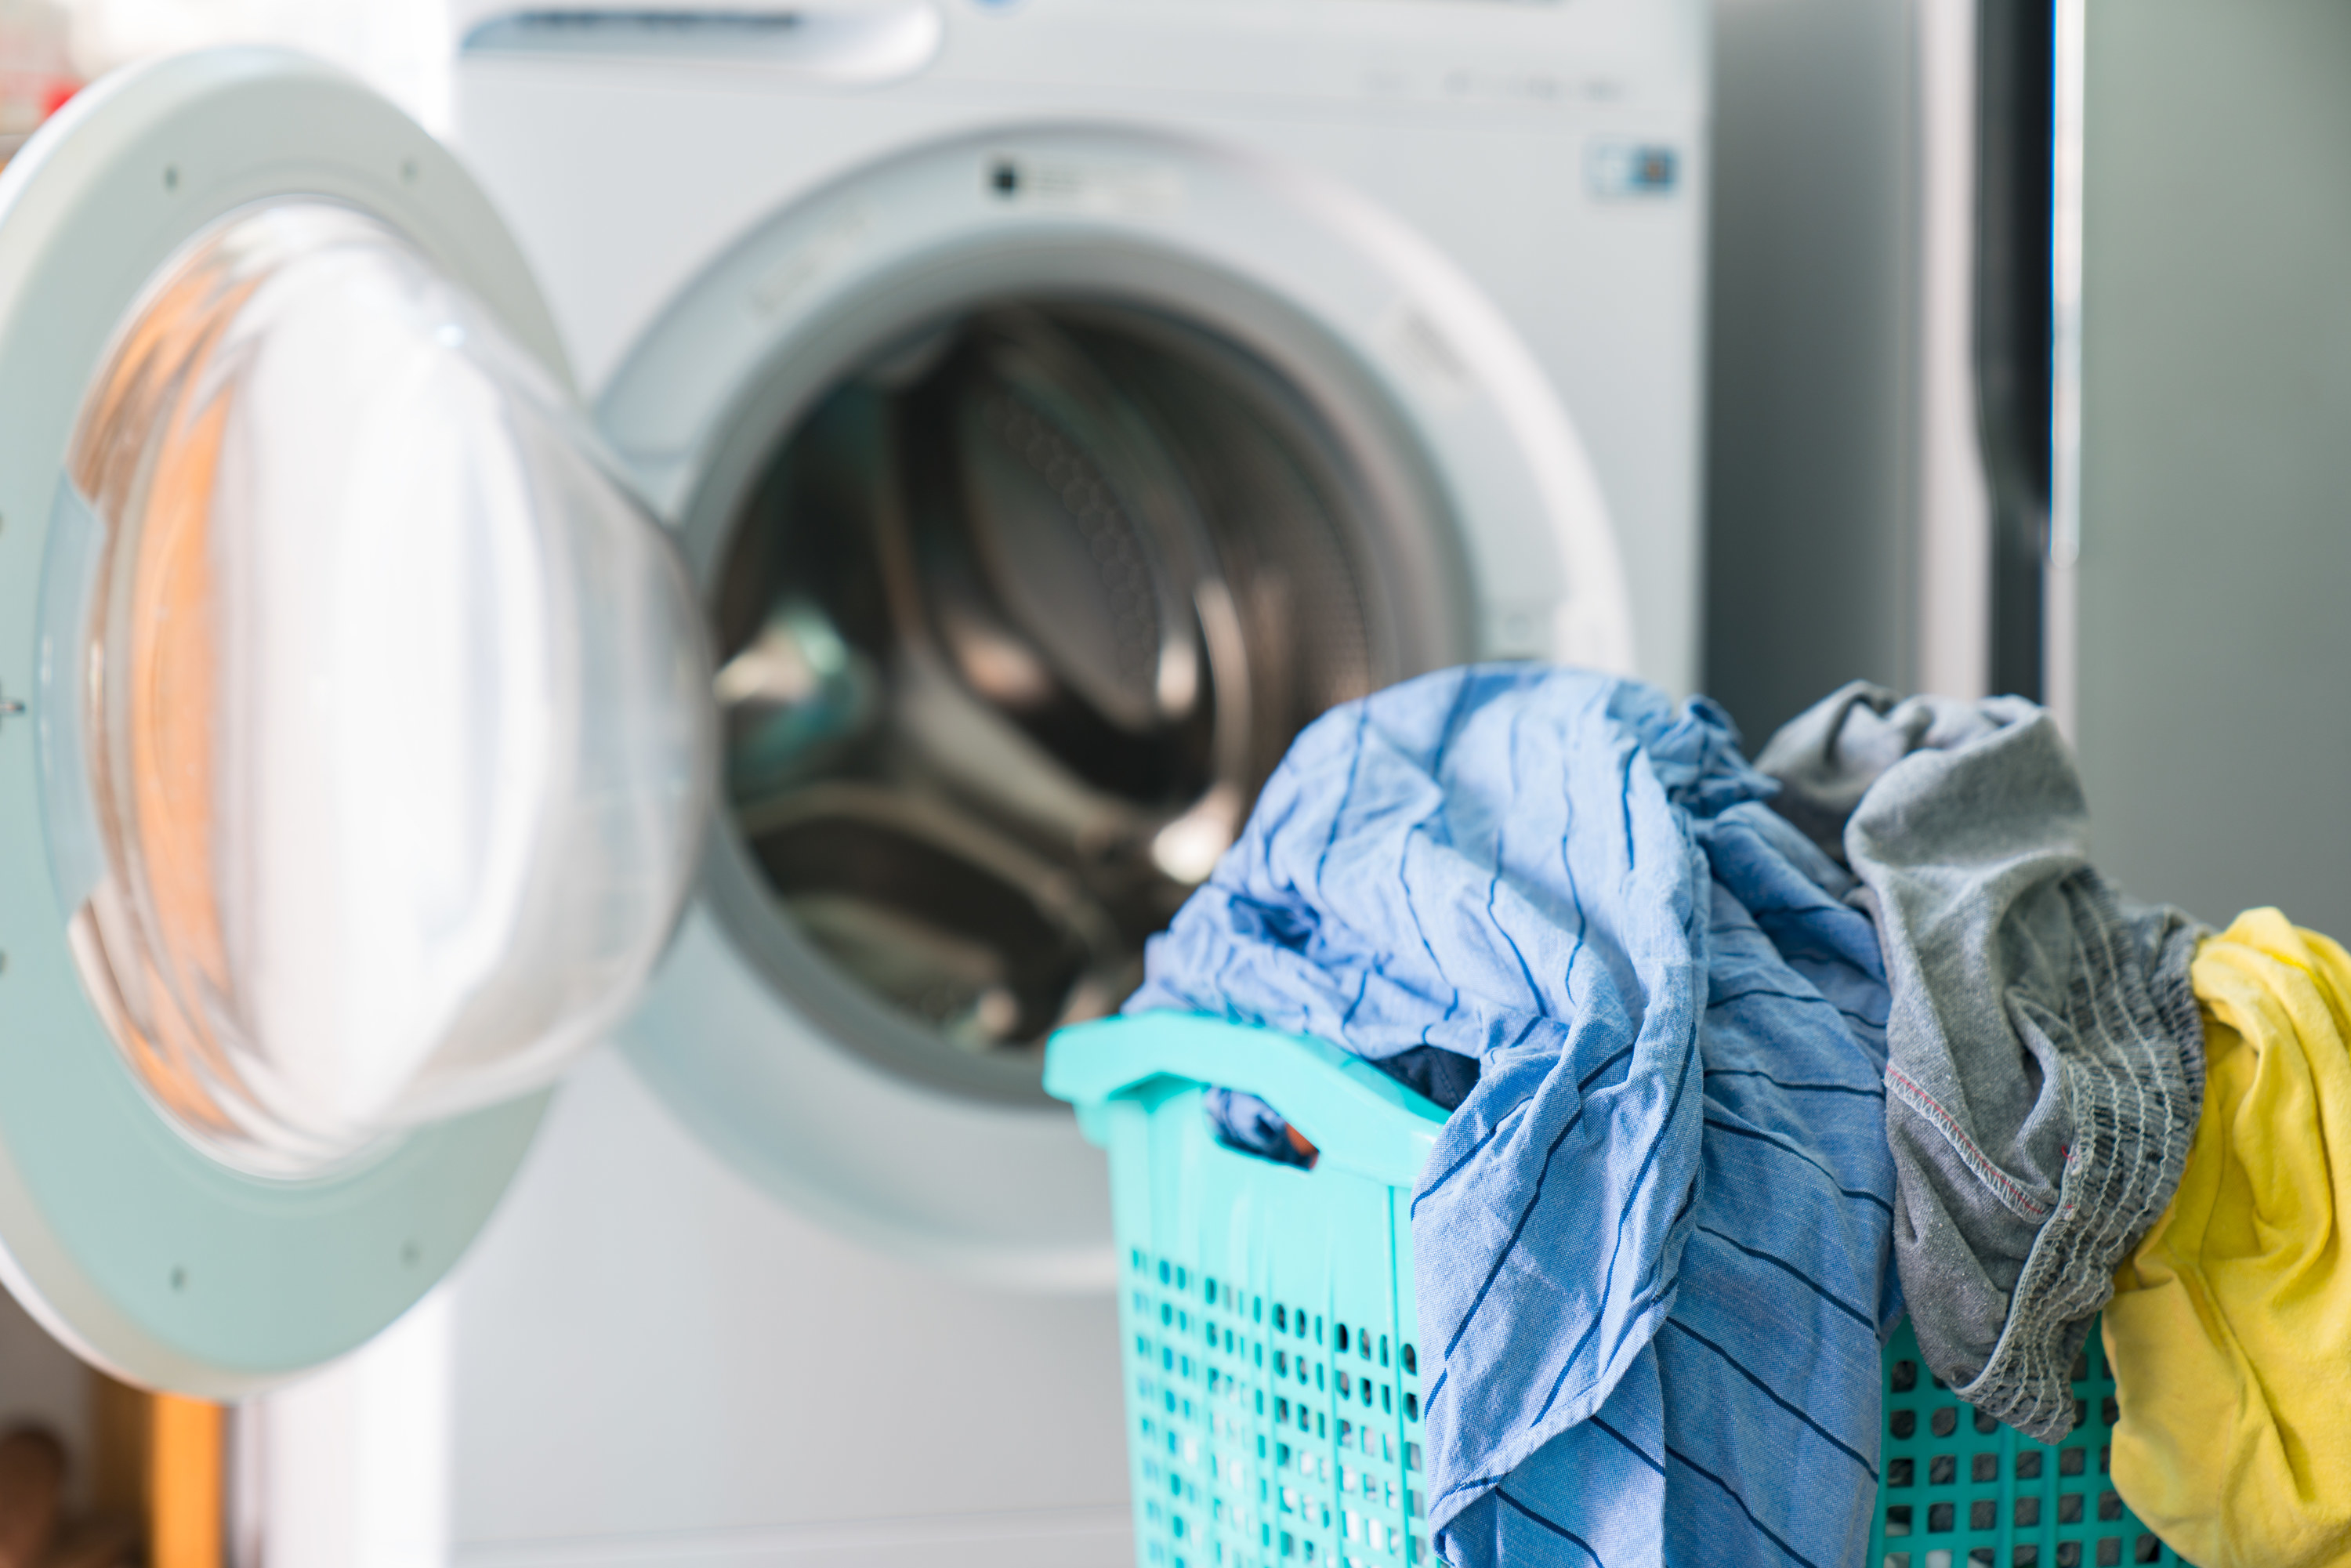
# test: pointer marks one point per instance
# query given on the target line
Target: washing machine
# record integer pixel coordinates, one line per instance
(749, 588)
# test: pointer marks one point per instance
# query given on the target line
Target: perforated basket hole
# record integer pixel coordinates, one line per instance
(1238, 1451)
(1988, 1495)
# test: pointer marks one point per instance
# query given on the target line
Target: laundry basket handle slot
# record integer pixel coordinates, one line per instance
(1358, 1116)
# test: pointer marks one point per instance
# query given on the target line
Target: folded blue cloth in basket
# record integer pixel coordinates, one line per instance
(1652, 1244)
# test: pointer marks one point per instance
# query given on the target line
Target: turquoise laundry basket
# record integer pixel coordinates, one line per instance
(1273, 1354)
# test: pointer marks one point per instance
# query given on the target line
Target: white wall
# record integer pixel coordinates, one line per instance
(400, 45)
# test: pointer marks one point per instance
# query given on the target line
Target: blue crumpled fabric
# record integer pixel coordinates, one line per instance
(1652, 1243)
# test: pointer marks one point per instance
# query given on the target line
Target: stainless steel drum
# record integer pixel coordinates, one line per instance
(1017, 623)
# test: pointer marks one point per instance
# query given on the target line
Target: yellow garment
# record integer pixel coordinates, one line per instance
(2230, 1333)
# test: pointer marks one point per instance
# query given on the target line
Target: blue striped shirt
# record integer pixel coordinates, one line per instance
(1652, 1243)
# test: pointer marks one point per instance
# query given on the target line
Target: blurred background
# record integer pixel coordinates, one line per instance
(2027, 367)
(49, 47)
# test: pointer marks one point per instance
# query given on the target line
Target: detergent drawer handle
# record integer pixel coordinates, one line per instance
(858, 45)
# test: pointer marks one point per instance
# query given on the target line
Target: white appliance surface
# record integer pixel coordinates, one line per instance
(1486, 144)
(656, 1364)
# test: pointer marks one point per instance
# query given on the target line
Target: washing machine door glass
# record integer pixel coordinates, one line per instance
(388, 699)
(371, 730)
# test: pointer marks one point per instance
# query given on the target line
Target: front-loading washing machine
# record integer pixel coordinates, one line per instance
(1046, 408)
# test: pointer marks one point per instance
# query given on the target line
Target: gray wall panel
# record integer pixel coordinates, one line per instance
(1808, 560)
(2215, 577)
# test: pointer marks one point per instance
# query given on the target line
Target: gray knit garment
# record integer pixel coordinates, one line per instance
(2046, 1055)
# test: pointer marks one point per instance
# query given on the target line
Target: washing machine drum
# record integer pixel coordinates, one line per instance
(1002, 677)
(359, 728)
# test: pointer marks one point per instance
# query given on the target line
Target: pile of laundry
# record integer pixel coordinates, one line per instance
(1745, 1061)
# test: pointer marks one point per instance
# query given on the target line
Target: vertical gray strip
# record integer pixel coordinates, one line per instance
(70, 561)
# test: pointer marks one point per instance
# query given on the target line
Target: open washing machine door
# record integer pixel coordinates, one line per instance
(355, 720)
